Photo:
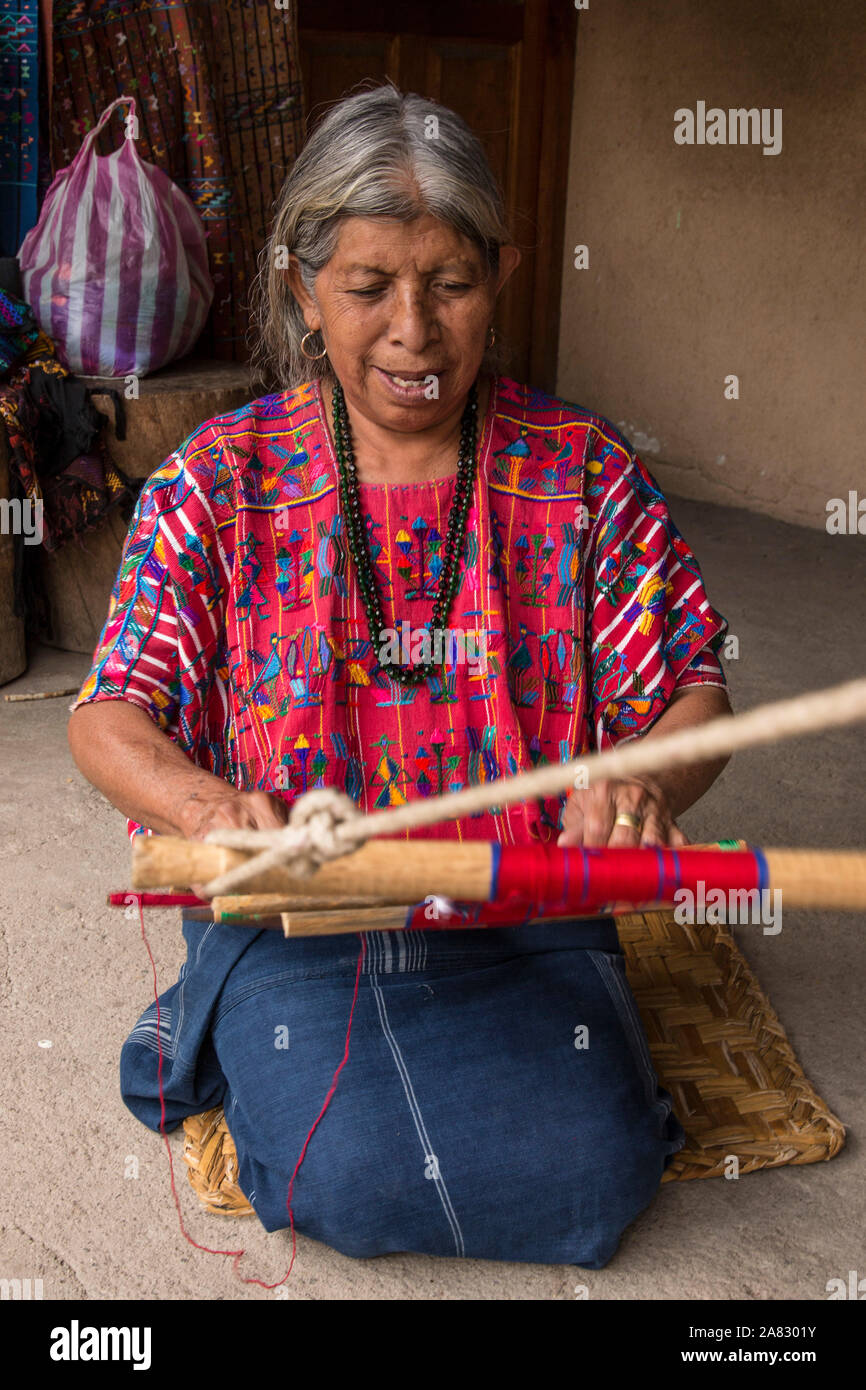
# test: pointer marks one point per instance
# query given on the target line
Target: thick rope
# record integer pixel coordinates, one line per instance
(324, 823)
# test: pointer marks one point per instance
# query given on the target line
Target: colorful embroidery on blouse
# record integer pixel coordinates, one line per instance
(235, 620)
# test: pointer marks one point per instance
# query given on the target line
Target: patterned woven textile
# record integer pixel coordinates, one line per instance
(717, 1046)
(220, 109)
(18, 330)
(19, 120)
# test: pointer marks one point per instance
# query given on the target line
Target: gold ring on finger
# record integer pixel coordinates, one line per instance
(626, 818)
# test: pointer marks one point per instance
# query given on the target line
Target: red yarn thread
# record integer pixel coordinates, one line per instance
(237, 1255)
(157, 900)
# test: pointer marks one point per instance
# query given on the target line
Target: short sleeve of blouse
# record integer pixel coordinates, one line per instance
(650, 627)
(158, 642)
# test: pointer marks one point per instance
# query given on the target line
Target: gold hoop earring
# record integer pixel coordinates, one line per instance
(491, 336)
(312, 356)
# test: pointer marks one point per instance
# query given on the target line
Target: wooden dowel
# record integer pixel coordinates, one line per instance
(410, 871)
(342, 922)
(163, 861)
(391, 919)
(266, 909)
(257, 903)
(391, 872)
(819, 878)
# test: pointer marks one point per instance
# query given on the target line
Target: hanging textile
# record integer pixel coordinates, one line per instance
(19, 120)
(220, 110)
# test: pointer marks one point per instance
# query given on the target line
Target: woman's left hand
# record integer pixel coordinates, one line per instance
(591, 812)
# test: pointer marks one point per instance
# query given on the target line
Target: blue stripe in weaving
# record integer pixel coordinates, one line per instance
(763, 870)
(495, 857)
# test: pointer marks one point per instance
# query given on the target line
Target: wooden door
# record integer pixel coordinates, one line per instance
(507, 68)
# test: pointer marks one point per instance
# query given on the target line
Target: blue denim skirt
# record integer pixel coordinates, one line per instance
(499, 1101)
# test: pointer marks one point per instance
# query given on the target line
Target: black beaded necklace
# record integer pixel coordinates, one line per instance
(359, 547)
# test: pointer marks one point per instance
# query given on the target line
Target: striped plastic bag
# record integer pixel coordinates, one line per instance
(115, 269)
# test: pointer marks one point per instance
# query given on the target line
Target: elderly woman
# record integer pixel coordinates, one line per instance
(499, 1100)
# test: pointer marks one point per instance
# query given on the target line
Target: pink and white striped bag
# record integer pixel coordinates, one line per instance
(115, 269)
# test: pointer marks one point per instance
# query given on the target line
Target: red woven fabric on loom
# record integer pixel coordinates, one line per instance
(587, 879)
(544, 881)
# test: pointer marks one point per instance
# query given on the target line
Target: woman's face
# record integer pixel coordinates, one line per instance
(404, 310)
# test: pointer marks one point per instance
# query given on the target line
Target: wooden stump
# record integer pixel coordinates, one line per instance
(172, 403)
(77, 579)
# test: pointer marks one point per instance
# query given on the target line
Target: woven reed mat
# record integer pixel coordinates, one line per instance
(717, 1046)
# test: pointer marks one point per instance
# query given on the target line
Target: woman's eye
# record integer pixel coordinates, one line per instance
(367, 293)
(453, 285)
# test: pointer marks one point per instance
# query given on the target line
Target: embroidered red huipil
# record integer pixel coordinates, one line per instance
(236, 620)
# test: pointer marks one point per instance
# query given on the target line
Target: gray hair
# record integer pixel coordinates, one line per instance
(379, 153)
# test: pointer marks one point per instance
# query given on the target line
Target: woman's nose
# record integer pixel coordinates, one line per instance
(412, 321)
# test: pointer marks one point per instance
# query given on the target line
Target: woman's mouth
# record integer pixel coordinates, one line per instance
(411, 386)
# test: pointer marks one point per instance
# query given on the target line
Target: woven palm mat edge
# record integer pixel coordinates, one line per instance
(717, 1046)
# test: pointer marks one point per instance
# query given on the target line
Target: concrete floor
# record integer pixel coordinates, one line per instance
(75, 974)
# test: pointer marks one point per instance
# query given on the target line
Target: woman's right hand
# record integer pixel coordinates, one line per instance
(230, 809)
(204, 811)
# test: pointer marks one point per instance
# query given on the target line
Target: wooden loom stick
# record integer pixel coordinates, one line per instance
(819, 878)
(811, 879)
(229, 909)
(295, 924)
(409, 871)
(342, 923)
(829, 879)
(246, 906)
(392, 872)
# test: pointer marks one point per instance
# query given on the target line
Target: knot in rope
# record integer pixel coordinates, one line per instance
(319, 828)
